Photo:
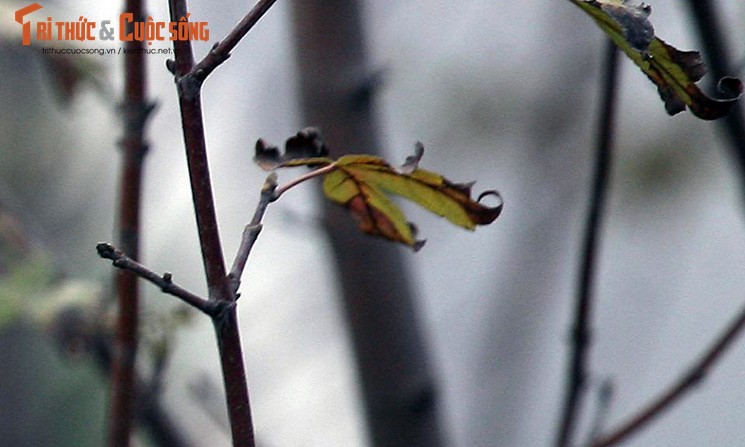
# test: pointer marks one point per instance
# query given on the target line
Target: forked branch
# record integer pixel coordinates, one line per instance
(221, 51)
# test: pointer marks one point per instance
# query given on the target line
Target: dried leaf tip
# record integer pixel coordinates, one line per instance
(306, 145)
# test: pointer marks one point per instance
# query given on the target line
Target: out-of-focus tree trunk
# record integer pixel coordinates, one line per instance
(396, 380)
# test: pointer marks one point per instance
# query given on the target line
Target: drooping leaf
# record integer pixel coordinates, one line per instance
(674, 72)
(363, 184)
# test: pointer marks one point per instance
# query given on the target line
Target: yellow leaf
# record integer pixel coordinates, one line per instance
(362, 184)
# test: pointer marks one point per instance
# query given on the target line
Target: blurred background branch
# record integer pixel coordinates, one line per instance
(337, 91)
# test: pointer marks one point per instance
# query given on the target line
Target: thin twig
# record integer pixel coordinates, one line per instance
(690, 379)
(305, 177)
(579, 357)
(269, 193)
(164, 282)
(221, 51)
(251, 232)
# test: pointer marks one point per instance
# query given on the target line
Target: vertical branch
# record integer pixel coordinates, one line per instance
(579, 357)
(135, 109)
(225, 321)
(398, 386)
(190, 104)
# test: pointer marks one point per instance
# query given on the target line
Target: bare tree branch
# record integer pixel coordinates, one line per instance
(164, 282)
(579, 357)
(220, 286)
(221, 51)
(677, 390)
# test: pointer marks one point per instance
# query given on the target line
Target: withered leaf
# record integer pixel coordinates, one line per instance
(363, 184)
(674, 72)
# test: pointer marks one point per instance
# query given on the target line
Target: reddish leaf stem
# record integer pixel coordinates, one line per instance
(303, 178)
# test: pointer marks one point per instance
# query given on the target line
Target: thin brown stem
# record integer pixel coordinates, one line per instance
(221, 292)
(269, 193)
(251, 232)
(680, 388)
(196, 154)
(136, 110)
(163, 282)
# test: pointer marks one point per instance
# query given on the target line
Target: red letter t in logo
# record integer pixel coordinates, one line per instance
(26, 26)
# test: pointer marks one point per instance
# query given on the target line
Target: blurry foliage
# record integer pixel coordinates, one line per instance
(21, 285)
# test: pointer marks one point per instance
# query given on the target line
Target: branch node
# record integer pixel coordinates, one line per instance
(218, 309)
(189, 86)
(270, 184)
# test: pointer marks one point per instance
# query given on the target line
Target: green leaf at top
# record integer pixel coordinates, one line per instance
(674, 72)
